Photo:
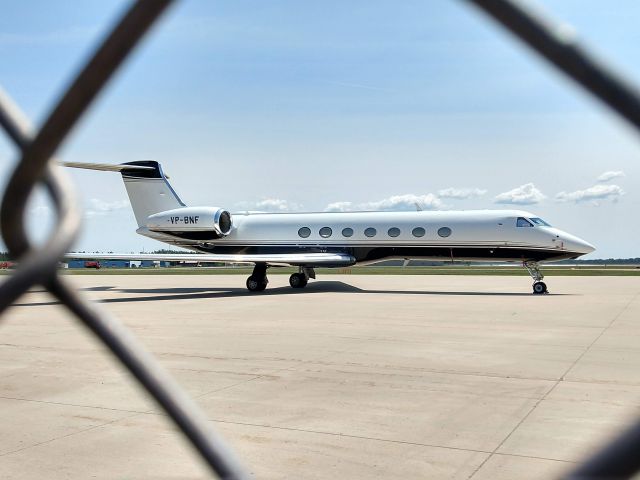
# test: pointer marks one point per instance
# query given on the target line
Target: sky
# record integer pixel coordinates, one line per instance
(327, 105)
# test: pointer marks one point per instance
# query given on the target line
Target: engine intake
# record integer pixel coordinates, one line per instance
(222, 222)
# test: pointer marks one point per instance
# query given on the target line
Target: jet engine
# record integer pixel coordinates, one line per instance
(215, 221)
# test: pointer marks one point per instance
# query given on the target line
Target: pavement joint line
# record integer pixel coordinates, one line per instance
(561, 379)
(38, 347)
(451, 372)
(63, 404)
(217, 372)
(364, 437)
(481, 375)
(604, 330)
(70, 434)
(534, 457)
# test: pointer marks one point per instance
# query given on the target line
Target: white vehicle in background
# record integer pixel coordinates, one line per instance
(310, 240)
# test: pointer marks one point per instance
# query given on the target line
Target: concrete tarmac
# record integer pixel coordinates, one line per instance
(354, 377)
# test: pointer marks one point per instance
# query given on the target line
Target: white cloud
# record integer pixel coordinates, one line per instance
(339, 207)
(610, 175)
(99, 207)
(526, 194)
(95, 207)
(273, 205)
(406, 202)
(269, 205)
(461, 193)
(396, 202)
(592, 194)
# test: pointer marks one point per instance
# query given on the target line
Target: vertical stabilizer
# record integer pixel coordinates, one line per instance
(147, 186)
(149, 190)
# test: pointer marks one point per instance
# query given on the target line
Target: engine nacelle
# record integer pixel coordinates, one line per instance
(192, 219)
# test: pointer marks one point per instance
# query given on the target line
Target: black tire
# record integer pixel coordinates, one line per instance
(298, 280)
(256, 284)
(539, 288)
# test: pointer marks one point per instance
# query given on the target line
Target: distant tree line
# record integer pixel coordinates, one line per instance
(603, 261)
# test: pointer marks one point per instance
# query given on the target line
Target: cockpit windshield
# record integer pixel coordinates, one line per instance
(539, 222)
(523, 222)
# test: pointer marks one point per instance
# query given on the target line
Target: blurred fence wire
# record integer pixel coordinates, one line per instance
(37, 265)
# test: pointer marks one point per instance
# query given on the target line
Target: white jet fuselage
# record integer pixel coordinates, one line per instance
(372, 236)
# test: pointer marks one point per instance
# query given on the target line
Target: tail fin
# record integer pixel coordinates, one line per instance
(148, 188)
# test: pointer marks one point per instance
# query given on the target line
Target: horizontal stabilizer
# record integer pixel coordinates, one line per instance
(107, 167)
(333, 259)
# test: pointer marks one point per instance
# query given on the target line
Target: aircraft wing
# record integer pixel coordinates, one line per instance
(295, 259)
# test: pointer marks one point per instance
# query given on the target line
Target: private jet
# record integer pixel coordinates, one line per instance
(326, 239)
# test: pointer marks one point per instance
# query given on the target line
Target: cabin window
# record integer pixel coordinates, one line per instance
(393, 232)
(418, 232)
(347, 232)
(304, 232)
(540, 222)
(325, 232)
(523, 222)
(370, 232)
(444, 231)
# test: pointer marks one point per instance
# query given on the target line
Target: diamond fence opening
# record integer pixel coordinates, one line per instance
(37, 265)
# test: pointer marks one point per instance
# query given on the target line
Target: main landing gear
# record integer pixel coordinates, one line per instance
(258, 281)
(300, 279)
(539, 287)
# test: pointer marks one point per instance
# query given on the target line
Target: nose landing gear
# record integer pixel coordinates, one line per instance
(539, 287)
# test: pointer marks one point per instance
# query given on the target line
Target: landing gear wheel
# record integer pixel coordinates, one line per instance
(298, 280)
(258, 281)
(540, 288)
(255, 284)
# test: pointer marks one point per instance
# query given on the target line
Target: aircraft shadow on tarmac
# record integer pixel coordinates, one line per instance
(190, 293)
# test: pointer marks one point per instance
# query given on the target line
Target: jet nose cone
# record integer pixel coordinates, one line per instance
(575, 244)
(588, 247)
(583, 247)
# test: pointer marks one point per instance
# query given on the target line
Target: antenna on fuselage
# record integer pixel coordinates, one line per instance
(418, 206)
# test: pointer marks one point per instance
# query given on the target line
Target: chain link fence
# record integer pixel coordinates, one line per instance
(39, 265)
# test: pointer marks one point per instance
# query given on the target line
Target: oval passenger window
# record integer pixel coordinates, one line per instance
(304, 232)
(444, 231)
(325, 232)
